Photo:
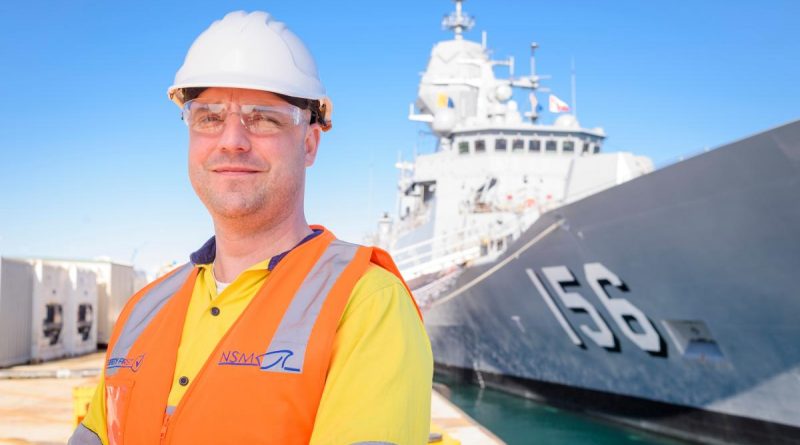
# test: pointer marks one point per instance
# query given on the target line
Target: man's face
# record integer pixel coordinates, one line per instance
(239, 175)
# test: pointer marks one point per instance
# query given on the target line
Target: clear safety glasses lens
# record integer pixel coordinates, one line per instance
(209, 118)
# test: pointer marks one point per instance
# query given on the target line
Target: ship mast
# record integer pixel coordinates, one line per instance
(458, 21)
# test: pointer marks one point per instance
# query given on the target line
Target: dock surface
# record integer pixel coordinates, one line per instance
(457, 424)
(40, 410)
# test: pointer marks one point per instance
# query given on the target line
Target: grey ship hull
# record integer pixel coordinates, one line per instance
(708, 250)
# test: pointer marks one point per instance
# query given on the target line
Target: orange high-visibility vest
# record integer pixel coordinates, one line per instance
(264, 380)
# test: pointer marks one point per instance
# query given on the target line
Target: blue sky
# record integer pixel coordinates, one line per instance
(94, 155)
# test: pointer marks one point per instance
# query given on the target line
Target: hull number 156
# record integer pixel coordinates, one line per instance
(631, 321)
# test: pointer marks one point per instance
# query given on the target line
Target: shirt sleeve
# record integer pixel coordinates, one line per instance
(95, 419)
(379, 382)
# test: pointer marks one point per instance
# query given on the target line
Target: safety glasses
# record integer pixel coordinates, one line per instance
(261, 120)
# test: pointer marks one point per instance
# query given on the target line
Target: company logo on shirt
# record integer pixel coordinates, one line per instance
(124, 362)
(276, 361)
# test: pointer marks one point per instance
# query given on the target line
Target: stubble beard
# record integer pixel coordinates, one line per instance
(262, 204)
(271, 198)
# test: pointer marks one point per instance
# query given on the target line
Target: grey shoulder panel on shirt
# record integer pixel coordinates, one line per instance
(84, 436)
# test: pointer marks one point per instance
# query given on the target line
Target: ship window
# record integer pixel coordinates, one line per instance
(569, 146)
(535, 145)
(463, 147)
(550, 146)
(586, 147)
(500, 145)
(597, 149)
(518, 145)
(480, 146)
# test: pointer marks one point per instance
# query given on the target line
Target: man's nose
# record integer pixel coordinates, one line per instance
(234, 135)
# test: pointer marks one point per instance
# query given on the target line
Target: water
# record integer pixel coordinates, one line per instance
(517, 420)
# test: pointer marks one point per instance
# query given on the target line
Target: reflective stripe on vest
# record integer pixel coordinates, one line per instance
(142, 313)
(287, 351)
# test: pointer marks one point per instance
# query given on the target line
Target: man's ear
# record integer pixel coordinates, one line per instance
(311, 143)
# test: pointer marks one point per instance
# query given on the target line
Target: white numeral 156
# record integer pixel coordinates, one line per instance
(622, 311)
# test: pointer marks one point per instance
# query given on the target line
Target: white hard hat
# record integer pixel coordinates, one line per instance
(251, 51)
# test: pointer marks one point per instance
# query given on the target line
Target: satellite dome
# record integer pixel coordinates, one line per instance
(444, 121)
(503, 92)
(567, 121)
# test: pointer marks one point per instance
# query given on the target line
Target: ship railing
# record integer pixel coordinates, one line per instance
(436, 253)
(461, 235)
(453, 249)
(427, 294)
(439, 263)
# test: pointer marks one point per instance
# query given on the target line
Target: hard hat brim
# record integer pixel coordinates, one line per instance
(173, 91)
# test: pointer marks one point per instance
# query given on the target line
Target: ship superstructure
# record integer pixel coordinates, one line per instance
(495, 170)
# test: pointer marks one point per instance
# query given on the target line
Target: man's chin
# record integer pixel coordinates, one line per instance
(233, 208)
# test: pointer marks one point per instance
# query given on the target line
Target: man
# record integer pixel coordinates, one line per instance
(276, 332)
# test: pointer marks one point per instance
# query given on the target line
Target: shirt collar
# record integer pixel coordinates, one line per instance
(207, 253)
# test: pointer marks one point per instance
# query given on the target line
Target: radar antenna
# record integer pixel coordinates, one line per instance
(458, 21)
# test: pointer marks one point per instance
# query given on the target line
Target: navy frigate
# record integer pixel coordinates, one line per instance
(664, 299)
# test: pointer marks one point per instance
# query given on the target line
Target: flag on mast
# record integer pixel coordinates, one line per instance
(557, 105)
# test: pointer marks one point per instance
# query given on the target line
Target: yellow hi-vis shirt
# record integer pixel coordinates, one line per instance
(379, 383)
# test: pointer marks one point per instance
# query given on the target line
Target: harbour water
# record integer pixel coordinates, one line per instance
(520, 421)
